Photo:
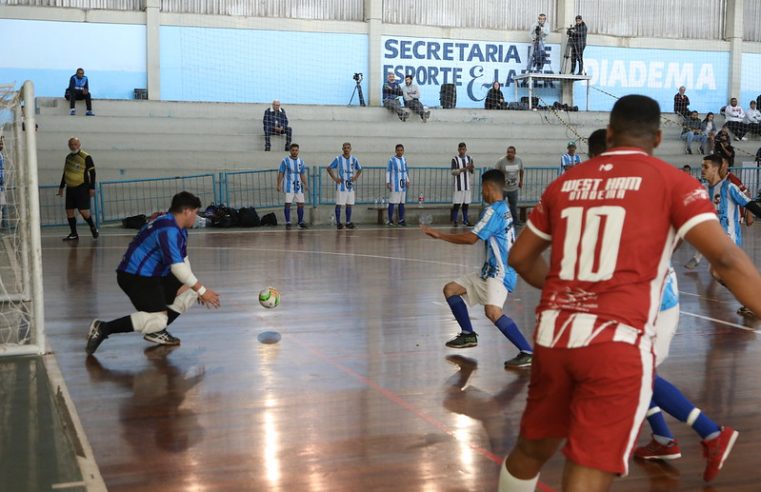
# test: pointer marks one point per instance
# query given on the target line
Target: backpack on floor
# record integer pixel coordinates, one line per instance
(269, 219)
(247, 217)
(134, 222)
(224, 217)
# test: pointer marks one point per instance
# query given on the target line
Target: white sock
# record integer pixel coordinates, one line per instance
(508, 483)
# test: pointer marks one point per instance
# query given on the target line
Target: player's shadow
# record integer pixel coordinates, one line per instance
(464, 399)
(153, 417)
(663, 476)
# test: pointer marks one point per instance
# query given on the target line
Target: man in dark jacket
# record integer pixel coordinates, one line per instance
(391, 92)
(79, 89)
(276, 123)
(577, 37)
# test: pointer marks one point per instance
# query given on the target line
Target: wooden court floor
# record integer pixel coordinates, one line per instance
(359, 394)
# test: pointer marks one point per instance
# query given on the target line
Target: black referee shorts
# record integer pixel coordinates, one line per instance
(78, 197)
(149, 294)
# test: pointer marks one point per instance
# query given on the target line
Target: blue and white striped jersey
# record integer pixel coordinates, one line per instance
(396, 173)
(346, 168)
(728, 199)
(292, 169)
(567, 161)
(496, 230)
(157, 246)
(2, 172)
(670, 296)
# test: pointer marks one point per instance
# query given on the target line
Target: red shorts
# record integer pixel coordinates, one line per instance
(595, 396)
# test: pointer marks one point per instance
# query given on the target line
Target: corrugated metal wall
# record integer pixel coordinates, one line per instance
(342, 10)
(676, 19)
(81, 4)
(752, 20)
(482, 14)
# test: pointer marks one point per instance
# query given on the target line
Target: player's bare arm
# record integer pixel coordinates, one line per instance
(461, 238)
(332, 175)
(280, 177)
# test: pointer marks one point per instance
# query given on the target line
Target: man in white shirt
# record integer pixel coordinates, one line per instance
(537, 35)
(411, 93)
(735, 117)
(753, 119)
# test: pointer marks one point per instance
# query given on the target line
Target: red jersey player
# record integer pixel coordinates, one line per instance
(612, 224)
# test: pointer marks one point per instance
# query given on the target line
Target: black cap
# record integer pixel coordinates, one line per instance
(578, 17)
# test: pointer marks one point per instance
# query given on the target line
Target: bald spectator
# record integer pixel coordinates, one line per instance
(276, 123)
(682, 103)
(391, 92)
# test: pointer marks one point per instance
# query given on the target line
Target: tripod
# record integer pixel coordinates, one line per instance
(566, 56)
(358, 90)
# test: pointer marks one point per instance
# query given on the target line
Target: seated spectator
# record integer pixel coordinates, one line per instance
(391, 93)
(687, 168)
(724, 147)
(709, 129)
(494, 98)
(79, 88)
(753, 119)
(570, 158)
(682, 103)
(758, 157)
(411, 93)
(692, 131)
(276, 123)
(735, 117)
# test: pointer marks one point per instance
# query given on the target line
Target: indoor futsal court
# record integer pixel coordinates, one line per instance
(360, 394)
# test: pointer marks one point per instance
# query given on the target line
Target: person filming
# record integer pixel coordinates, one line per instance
(577, 38)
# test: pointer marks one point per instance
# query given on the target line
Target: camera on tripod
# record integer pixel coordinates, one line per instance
(358, 88)
(538, 30)
(358, 77)
(571, 31)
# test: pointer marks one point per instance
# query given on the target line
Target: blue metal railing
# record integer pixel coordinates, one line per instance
(255, 189)
(53, 208)
(535, 180)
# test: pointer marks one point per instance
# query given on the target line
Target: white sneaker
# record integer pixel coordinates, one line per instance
(162, 337)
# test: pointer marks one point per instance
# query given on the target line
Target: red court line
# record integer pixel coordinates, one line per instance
(394, 398)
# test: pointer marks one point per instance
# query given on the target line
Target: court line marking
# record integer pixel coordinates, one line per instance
(721, 322)
(67, 485)
(398, 400)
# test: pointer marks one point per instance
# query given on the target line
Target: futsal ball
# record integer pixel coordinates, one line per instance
(269, 297)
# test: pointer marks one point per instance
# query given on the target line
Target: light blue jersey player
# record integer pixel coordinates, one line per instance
(291, 178)
(491, 285)
(397, 182)
(345, 171)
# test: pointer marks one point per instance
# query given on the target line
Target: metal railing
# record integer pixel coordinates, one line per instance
(255, 189)
(53, 208)
(535, 180)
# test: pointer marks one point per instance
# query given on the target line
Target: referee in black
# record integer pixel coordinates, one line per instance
(79, 180)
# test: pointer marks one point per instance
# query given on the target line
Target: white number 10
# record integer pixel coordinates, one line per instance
(584, 228)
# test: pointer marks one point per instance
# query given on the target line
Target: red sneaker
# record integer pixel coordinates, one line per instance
(716, 451)
(657, 451)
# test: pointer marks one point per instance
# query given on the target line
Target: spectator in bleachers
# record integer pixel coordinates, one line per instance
(735, 117)
(577, 38)
(391, 93)
(275, 122)
(537, 34)
(79, 89)
(512, 166)
(462, 170)
(494, 98)
(687, 168)
(709, 129)
(682, 103)
(753, 119)
(692, 131)
(570, 158)
(411, 93)
(723, 147)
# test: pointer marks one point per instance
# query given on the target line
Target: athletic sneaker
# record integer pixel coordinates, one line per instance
(743, 311)
(94, 337)
(94, 232)
(716, 451)
(389, 223)
(162, 337)
(403, 223)
(72, 237)
(350, 225)
(463, 340)
(657, 451)
(339, 226)
(287, 227)
(692, 263)
(72, 112)
(519, 361)
(403, 116)
(425, 116)
(89, 113)
(467, 223)
(303, 226)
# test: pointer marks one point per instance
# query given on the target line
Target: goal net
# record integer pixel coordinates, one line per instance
(21, 313)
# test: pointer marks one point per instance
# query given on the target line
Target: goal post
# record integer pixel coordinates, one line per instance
(22, 316)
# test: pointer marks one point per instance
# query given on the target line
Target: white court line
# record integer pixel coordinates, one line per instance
(712, 299)
(67, 485)
(720, 321)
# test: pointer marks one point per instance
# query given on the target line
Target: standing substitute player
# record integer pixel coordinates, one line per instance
(293, 173)
(612, 224)
(79, 180)
(156, 276)
(491, 285)
(397, 182)
(345, 171)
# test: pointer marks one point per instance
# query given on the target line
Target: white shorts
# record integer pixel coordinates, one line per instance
(489, 292)
(397, 197)
(462, 197)
(290, 196)
(665, 328)
(2, 198)
(345, 197)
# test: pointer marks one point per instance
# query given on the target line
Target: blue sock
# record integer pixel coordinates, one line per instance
(465, 212)
(671, 400)
(390, 212)
(460, 311)
(508, 328)
(348, 213)
(287, 213)
(300, 213)
(401, 212)
(338, 214)
(658, 423)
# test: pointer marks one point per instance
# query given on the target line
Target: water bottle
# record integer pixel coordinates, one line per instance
(332, 220)
(420, 199)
